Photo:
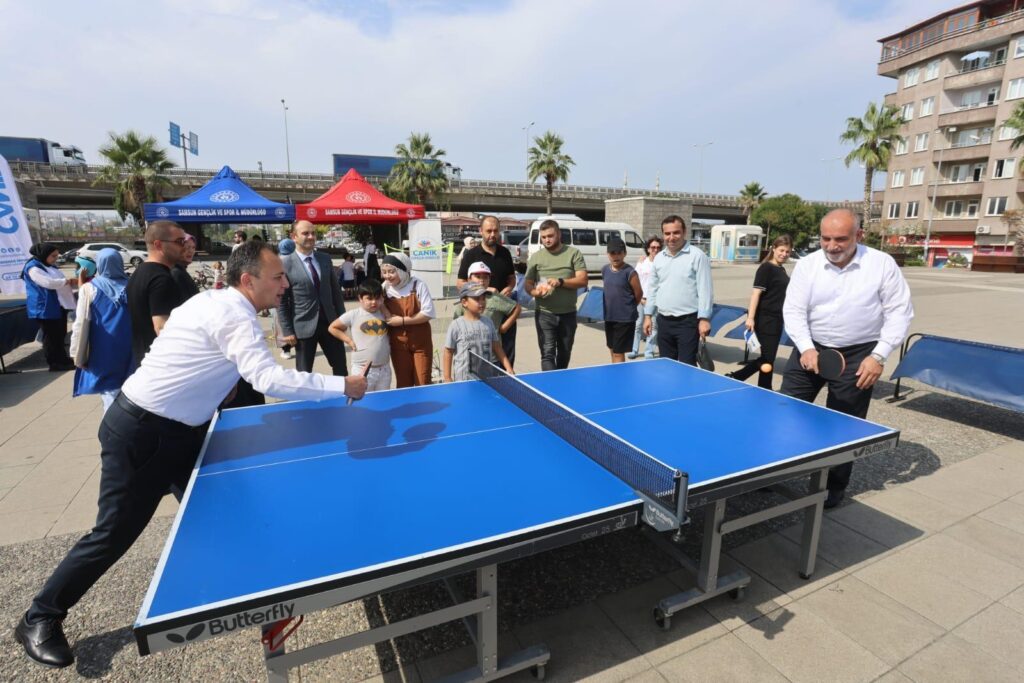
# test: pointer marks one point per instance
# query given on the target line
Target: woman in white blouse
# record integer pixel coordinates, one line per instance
(643, 270)
(411, 309)
(49, 297)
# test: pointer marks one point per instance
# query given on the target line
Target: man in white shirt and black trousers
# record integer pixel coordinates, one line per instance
(851, 298)
(152, 434)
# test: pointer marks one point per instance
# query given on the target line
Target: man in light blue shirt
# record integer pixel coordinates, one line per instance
(680, 294)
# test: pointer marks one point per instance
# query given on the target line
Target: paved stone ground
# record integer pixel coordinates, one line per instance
(920, 576)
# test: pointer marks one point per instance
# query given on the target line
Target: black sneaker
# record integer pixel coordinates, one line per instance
(45, 642)
(833, 499)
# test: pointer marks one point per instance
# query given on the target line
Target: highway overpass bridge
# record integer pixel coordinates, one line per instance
(48, 187)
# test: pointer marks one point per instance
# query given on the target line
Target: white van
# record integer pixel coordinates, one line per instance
(591, 238)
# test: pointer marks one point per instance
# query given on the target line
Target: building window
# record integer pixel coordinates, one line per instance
(1008, 132)
(894, 210)
(907, 111)
(931, 72)
(927, 106)
(911, 209)
(1018, 48)
(996, 206)
(910, 77)
(921, 142)
(917, 176)
(900, 147)
(897, 178)
(1016, 89)
(972, 208)
(1003, 168)
(959, 173)
(953, 208)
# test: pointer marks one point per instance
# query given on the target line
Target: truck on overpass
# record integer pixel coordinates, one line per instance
(40, 150)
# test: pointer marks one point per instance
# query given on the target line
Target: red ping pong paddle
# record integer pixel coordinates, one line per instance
(831, 364)
(366, 373)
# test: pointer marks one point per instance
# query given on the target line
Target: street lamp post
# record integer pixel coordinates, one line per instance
(700, 167)
(526, 129)
(935, 189)
(287, 148)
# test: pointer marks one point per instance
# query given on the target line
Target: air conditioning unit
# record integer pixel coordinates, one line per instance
(983, 230)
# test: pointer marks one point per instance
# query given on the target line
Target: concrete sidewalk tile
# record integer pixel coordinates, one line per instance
(585, 645)
(49, 431)
(69, 450)
(80, 513)
(875, 524)
(760, 597)
(168, 507)
(894, 676)
(999, 631)
(777, 559)
(998, 474)
(726, 659)
(1010, 515)
(842, 546)
(934, 596)
(632, 612)
(887, 629)
(27, 525)
(462, 658)
(1015, 600)
(989, 537)
(48, 485)
(649, 676)
(946, 487)
(787, 644)
(917, 509)
(12, 455)
(4, 492)
(977, 570)
(953, 659)
(12, 476)
(1018, 499)
(1011, 449)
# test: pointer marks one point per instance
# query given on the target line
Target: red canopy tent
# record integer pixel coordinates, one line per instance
(353, 200)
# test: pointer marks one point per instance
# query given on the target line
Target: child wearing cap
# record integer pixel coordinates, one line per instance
(622, 294)
(472, 331)
(365, 331)
(503, 311)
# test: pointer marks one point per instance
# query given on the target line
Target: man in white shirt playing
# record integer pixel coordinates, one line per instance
(851, 298)
(152, 434)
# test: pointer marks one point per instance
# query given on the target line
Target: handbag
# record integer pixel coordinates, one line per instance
(704, 360)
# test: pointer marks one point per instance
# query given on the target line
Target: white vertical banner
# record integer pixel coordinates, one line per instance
(15, 239)
(426, 254)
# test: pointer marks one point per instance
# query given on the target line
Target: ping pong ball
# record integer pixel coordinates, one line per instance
(767, 367)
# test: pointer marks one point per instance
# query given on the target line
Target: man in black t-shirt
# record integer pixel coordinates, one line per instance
(152, 292)
(503, 275)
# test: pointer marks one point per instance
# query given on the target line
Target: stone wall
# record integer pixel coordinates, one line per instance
(645, 214)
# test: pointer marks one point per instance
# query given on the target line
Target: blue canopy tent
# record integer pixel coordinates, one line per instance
(225, 199)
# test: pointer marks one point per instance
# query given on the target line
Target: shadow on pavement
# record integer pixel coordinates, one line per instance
(967, 412)
(95, 654)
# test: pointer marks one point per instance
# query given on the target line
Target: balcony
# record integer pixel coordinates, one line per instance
(941, 224)
(973, 113)
(992, 73)
(964, 152)
(989, 31)
(948, 189)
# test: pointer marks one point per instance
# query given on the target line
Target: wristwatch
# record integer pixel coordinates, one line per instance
(879, 358)
(561, 282)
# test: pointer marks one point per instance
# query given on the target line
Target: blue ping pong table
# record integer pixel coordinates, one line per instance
(297, 507)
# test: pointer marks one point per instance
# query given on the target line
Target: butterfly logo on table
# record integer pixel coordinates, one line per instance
(374, 328)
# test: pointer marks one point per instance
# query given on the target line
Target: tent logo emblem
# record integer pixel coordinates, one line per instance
(224, 197)
(279, 212)
(410, 213)
(358, 197)
(311, 212)
(162, 212)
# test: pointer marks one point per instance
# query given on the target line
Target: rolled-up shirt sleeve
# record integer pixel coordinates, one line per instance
(794, 311)
(651, 307)
(426, 301)
(705, 291)
(897, 310)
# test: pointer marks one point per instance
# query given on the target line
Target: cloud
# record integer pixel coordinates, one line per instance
(629, 86)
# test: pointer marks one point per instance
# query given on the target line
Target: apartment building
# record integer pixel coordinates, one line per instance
(959, 76)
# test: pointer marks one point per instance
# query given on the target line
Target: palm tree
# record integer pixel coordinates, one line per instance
(419, 171)
(875, 136)
(546, 159)
(1016, 121)
(751, 197)
(136, 170)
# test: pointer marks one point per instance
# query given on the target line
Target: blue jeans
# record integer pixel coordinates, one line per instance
(652, 341)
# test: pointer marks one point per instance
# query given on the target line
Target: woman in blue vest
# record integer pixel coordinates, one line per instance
(48, 299)
(101, 337)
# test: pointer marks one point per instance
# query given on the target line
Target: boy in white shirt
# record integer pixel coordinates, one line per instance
(365, 331)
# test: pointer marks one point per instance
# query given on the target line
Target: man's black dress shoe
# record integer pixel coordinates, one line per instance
(44, 642)
(833, 499)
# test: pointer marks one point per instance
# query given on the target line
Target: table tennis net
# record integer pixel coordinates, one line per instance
(644, 473)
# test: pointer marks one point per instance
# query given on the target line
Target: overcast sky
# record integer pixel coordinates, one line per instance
(630, 86)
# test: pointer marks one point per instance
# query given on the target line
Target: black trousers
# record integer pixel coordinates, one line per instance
(677, 337)
(142, 456)
(334, 350)
(556, 333)
(843, 395)
(54, 332)
(508, 344)
(769, 338)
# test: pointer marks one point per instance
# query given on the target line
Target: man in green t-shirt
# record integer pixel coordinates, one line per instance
(553, 275)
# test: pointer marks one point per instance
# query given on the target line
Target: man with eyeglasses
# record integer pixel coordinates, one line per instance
(152, 292)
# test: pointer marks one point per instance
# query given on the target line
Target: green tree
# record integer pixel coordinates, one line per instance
(786, 213)
(1014, 220)
(547, 160)
(751, 197)
(419, 173)
(136, 167)
(874, 136)
(1016, 121)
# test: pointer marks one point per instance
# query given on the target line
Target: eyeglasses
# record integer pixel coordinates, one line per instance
(180, 241)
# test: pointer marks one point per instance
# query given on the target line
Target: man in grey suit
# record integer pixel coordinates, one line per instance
(311, 303)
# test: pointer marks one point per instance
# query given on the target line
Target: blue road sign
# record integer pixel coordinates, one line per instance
(175, 134)
(193, 143)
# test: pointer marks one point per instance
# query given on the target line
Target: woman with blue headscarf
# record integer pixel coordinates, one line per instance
(48, 298)
(101, 337)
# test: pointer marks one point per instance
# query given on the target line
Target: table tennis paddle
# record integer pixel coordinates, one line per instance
(366, 373)
(831, 364)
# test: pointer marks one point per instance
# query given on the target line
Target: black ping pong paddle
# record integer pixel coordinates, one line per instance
(366, 373)
(831, 364)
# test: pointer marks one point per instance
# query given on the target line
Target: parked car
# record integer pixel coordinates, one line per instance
(512, 238)
(521, 251)
(68, 256)
(131, 257)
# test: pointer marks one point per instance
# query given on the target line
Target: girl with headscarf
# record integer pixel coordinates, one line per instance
(101, 337)
(408, 301)
(48, 299)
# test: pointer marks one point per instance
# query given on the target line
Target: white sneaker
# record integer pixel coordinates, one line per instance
(287, 355)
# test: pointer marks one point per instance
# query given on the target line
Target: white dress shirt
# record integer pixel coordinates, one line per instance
(207, 343)
(306, 263)
(49, 277)
(866, 301)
